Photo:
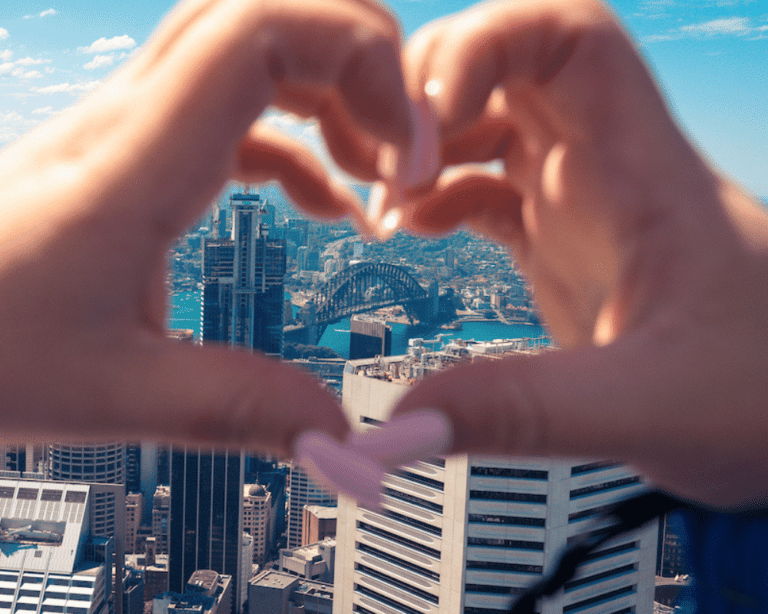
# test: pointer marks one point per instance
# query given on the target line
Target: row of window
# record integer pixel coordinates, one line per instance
(507, 472)
(495, 495)
(520, 521)
(427, 573)
(364, 590)
(518, 544)
(499, 566)
(494, 589)
(404, 586)
(604, 486)
(420, 479)
(44, 608)
(589, 467)
(413, 500)
(618, 571)
(38, 579)
(369, 528)
(412, 522)
(619, 592)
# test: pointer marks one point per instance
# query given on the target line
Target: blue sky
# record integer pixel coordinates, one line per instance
(710, 56)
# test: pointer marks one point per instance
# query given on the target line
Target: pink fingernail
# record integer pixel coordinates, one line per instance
(341, 468)
(422, 161)
(417, 435)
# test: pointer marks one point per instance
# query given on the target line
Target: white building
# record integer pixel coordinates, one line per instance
(304, 491)
(48, 562)
(461, 535)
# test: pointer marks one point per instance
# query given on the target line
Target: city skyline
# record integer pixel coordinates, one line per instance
(709, 58)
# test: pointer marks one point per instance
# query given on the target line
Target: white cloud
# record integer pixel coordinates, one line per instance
(3, 34)
(44, 111)
(69, 88)
(13, 125)
(730, 25)
(6, 55)
(100, 61)
(6, 68)
(727, 26)
(31, 61)
(26, 74)
(48, 12)
(112, 44)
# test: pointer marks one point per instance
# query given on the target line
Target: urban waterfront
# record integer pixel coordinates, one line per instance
(185, 313)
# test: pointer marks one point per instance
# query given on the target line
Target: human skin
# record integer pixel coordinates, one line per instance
(92, 200)
(649, 268)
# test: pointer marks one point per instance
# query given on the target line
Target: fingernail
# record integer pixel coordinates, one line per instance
(383, 211)
(343, 469)
(417, 435)
(421, 162)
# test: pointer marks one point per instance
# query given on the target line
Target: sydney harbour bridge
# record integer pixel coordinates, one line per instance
(365, 286)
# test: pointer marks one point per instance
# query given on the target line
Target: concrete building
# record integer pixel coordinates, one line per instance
(134, 507)
(207, 592)
(206, 521)
(313, 561)
(243, 282)
(258, 520)
(49, 561)
(102, 462)
(319, 523)
(461, 535)
(273, 592)
(161, 512)
(304, 491)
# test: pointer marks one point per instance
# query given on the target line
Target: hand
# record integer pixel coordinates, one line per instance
(92, 200)
(650, 270)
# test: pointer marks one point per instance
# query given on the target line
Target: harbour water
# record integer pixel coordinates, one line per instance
(185, 313)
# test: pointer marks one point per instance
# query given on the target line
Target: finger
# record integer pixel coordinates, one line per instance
(628, 402)
(467, 195)
(216, 397)
(267, 154)
(222, 68)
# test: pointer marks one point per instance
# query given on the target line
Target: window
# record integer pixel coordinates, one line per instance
(506, 472)
(368, 528)
(517, 544)
(522, 521)
(495, 495)
(604, 486)
(604, 597)
(397, 583)
(497, 566)
(398, 561)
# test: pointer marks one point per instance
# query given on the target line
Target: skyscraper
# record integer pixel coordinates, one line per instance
(461, 535)
(242, 307)
(243, 282)
(206, 515)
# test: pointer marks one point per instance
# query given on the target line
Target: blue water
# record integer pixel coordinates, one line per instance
(185, 313)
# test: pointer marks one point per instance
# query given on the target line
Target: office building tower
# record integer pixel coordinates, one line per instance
(257, 520)
(315, 561)
(369, 337)
(49, 561)
(206, 522)
(93, 462)
(132, 467)
(134, 505)
(161, 514)
(243, 282)
(461, 535)
(304, 491)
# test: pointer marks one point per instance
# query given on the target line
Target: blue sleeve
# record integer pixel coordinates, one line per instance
(728, 559)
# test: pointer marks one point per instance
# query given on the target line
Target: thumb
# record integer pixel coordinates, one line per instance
(216, 396)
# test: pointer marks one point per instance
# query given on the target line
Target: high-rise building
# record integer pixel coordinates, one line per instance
(49, 561)
(243, 282)
(206, 528)
(102, 462)
(161, 513)
(134, 506)
(462, 535)
(304, 491)
(257, 519)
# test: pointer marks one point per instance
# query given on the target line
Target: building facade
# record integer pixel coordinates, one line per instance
(243, 282)
(134, 506)
(304, 491)
(462, 535)
(206, 521)
(161, 513)
(103, 462)
(49, 561)
(257, 520)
